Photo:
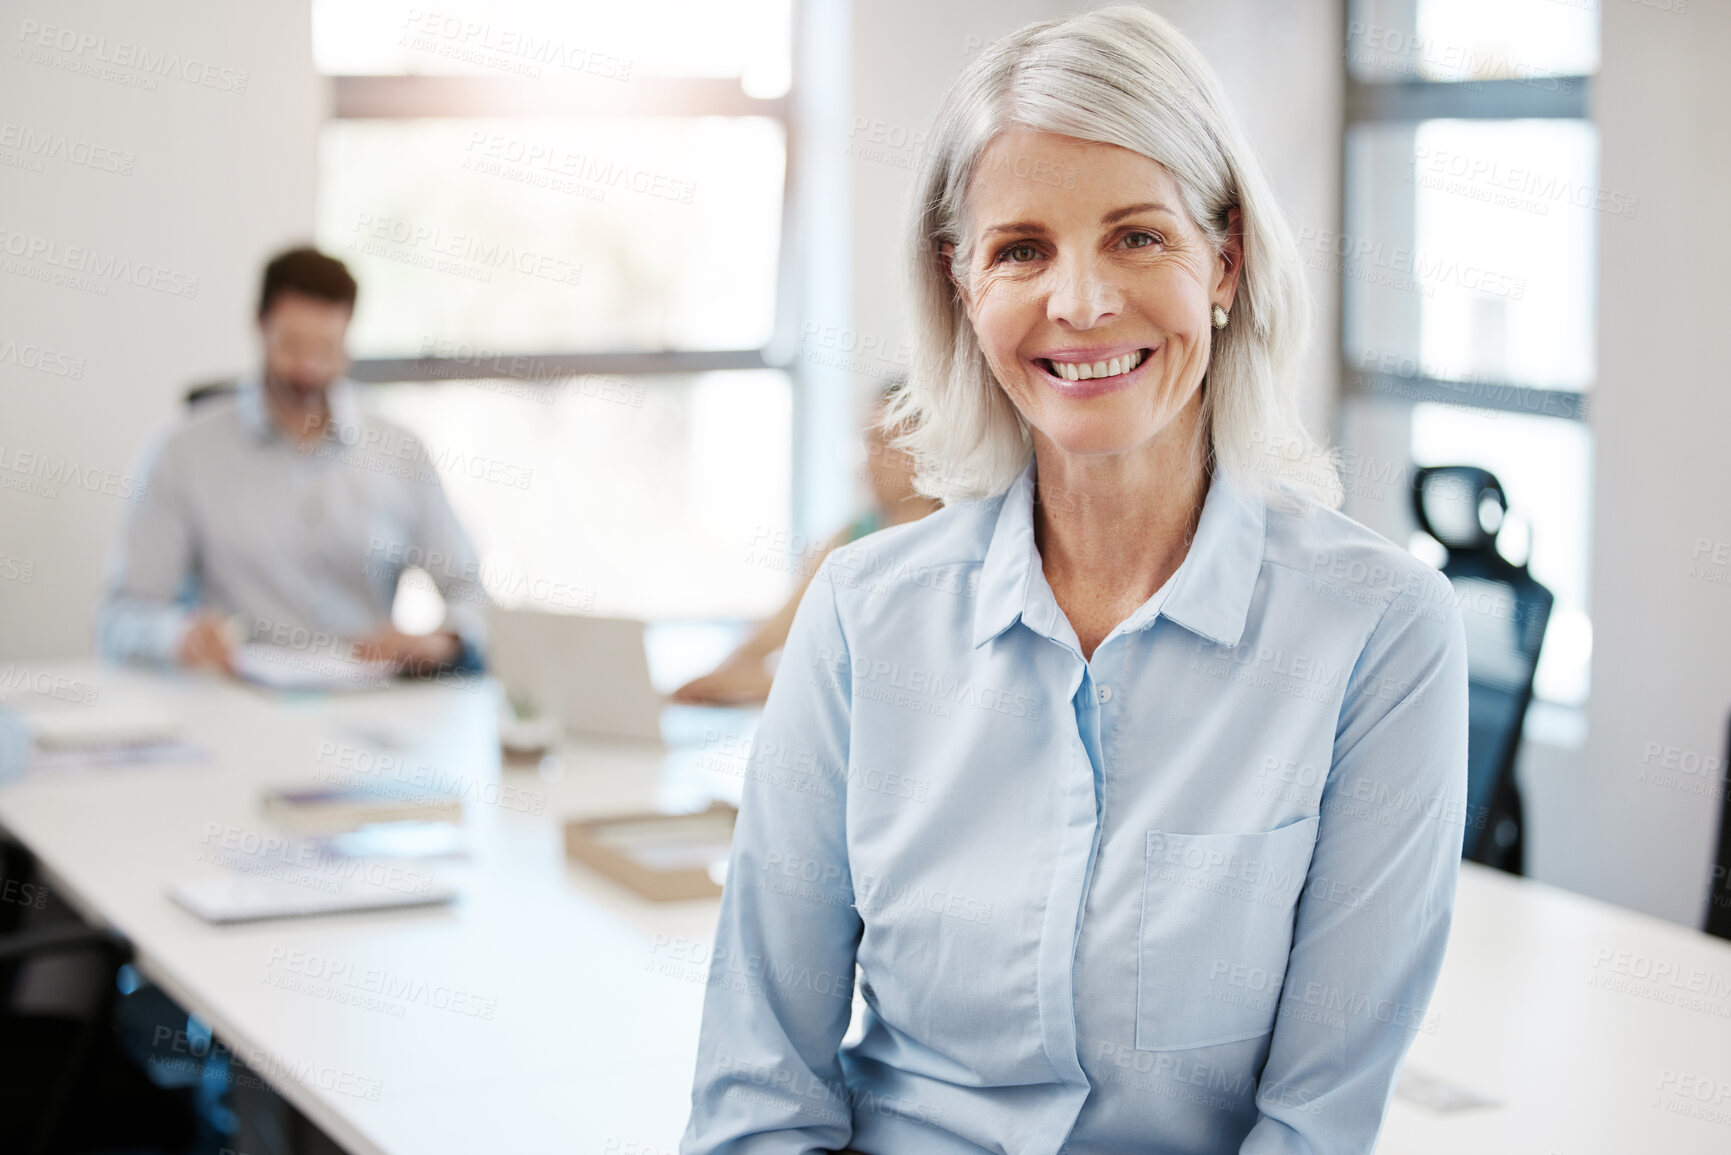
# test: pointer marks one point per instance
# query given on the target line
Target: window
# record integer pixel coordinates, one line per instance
(1467, 255)
(568, 222)
(550, 235)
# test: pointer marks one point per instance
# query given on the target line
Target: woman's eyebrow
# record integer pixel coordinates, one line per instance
(1110, 218)
(1117, 215)
(1016, 227)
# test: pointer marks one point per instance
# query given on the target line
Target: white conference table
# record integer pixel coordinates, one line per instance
(1596, 1031)
(589, 1046)
(1591, 1028)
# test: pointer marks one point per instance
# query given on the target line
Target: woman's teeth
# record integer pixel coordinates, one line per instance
(1112, 368)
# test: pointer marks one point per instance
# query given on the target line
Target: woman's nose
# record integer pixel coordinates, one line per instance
(1081, 296)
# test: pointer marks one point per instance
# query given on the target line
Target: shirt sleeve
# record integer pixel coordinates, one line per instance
(780, 996)
(1373, 919)
(149, 594)
(457, 575)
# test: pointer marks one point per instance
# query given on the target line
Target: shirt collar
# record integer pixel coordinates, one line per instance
(255, 415)
(1209, 595)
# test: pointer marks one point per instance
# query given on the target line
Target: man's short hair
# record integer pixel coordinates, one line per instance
(309, 272)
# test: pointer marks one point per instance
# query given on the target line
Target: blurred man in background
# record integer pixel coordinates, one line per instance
(281, 513)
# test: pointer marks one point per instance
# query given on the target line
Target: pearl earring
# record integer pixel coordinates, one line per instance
(1219, 317)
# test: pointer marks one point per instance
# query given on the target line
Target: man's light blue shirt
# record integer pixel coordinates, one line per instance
(305, 545)
(1190, 896)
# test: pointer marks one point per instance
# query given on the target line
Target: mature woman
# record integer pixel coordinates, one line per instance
(1132, 780)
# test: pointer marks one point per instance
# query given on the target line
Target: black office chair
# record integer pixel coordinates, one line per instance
(1719, 886)
(1505, 612)
(65, 1085)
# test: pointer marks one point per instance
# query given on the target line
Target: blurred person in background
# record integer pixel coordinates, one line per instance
(284, 514)
(746, 674)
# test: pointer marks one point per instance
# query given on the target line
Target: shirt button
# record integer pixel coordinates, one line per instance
(1105, 694)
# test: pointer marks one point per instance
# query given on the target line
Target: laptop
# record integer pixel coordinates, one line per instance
(590, 673)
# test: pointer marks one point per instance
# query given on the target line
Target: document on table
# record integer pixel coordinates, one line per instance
(282, 668)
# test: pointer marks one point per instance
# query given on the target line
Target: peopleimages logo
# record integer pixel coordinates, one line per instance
(1512, 186)
(398, 988)
(501, 155)
(42, 474)
(462, 254)
(865, 672)
(86, 52)
(100, 267)
(27, 355)
(41, 146)
(385, 449)
(1365, 258)
(517, 50)
(15, 678)
(393, 776)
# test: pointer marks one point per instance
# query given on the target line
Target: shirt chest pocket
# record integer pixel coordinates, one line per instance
(1217, 913)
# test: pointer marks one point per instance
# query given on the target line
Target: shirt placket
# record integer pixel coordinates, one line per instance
(1078, 840)
(312, 526)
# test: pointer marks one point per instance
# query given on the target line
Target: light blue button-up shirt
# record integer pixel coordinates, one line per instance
(304, 544)
(1190, 896)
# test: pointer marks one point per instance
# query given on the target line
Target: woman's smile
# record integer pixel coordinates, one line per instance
(1079, 374)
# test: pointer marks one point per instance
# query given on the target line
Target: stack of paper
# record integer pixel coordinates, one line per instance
(103, 734)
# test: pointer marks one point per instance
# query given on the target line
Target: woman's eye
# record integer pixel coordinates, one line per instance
(1019, 253)
(1140, 240)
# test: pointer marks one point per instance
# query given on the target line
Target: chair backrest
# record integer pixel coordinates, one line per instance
(1504, 612)
(1719, 886)
(207, 390)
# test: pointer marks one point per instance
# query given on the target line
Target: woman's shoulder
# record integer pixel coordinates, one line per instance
(958, 533)
(1332, 552)
(941, 553)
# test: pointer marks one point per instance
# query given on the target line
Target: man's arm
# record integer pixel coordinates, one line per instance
(148, 611)
(458, 578)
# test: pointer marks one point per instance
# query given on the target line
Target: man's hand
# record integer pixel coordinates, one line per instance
(421, 655)
(207, 644)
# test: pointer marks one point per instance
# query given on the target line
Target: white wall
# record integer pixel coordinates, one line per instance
(213, 180)
(1279, 61)
(1662, 419)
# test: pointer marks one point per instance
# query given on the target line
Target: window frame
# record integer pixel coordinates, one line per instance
(1373, 102)
(413, 97)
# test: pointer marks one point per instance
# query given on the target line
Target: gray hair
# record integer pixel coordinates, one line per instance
(1120, 76)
